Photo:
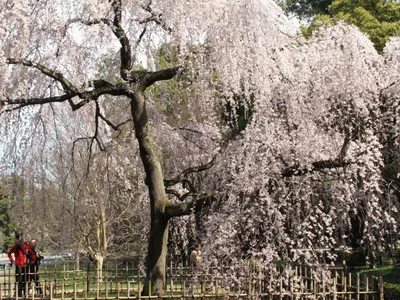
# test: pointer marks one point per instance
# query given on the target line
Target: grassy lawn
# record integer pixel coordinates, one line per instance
(391, 279)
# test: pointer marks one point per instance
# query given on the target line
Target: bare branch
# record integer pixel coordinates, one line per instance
(100, 87)
(48, 72)
(109, 123)
(22, 102)
(96, 131)
(126, 52)
(91, 22)
(115, 25)
(321, 165)
(156, 18)
(177, 194)
(346, 144)
(187, 208)
(141, 36)
(183, 176)
(315, 166)
(151, 77)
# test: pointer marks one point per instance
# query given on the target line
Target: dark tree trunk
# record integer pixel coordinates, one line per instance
(157, 251)
(156, 256)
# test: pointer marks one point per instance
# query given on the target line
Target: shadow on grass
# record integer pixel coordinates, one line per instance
(391, 279)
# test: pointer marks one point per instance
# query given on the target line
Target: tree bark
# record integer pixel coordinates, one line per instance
(156, 256)
(157, 251)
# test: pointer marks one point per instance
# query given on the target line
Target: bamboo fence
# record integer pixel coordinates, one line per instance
(125, 281)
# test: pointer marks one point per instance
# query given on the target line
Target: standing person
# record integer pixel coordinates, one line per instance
(20, 261)
(195, 256)
(34, 259)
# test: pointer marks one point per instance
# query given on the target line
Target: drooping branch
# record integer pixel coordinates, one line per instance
(96, 128)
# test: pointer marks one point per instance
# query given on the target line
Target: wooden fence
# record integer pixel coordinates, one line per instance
(125, 281)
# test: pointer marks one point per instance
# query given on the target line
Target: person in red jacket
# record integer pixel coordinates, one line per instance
(20, 261)
(34, 259)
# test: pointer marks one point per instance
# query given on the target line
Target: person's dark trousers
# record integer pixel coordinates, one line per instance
(34, 276)
(21, 278)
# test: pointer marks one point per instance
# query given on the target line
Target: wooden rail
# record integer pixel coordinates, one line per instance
(125, 281)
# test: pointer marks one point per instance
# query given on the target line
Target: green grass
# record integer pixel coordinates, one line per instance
(391, 279)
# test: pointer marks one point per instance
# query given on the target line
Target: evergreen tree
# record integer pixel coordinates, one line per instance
(379, 19)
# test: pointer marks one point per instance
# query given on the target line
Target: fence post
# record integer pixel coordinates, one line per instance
(381, 294)
(270, 290)
(171, 283)
(334, 288)
(97, 290)
(184, 288)
(358, 287)
(87, 277)
(349, 279)
(127, 272)
(138, 275)
(373, 286)
(9, 280)
(116, 271)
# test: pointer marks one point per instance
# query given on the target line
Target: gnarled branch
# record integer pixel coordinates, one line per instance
(126, 51)
(149, 78)
(338, 162)
(156, 18)
(183, 175)
(97, 88)
(187, 208)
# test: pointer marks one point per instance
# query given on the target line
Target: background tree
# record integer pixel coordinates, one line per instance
(379, 19)
(12, 194)
(306, 9)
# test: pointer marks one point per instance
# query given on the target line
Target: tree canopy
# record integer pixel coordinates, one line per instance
(305, 9)
(280, 148)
